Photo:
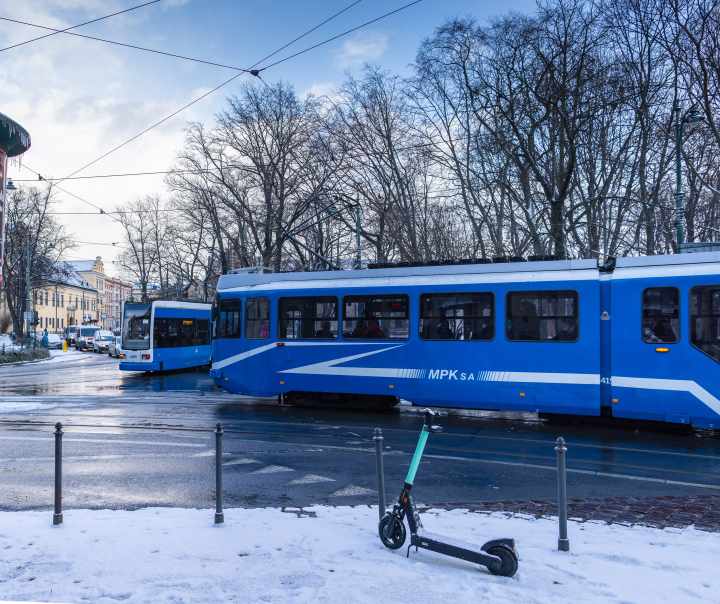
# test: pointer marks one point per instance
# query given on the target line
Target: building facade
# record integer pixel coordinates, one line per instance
(116, 293)
(78, 295)
(70, 300)
(111, 293)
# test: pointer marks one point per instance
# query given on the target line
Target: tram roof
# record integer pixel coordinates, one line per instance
(420, 272)
(232, 281)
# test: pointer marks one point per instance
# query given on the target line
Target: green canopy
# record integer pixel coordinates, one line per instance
(14, 139)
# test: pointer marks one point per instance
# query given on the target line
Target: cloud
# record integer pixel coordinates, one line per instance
(319, 89)
(362, 47)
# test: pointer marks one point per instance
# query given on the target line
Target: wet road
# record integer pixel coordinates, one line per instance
(135, 440)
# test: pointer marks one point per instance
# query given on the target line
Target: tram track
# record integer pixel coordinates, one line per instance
(410, 432)
(459, 453)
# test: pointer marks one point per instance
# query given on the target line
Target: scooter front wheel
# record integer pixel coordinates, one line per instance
(508, 560)
(397, 536)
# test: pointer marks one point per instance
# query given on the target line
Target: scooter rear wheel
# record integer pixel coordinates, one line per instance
(398, 536)
(508, 559)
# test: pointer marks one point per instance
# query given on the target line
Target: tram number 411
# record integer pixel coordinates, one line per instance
(607, 380)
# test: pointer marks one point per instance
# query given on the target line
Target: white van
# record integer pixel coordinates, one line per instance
(85, 336)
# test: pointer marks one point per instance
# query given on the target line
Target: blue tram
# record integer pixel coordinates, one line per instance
(637, 338)
(164, 335)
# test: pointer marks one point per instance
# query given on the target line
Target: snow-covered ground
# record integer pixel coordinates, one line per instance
(267, 555)
(58, 356)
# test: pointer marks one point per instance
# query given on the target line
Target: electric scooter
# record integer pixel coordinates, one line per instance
(499, 555)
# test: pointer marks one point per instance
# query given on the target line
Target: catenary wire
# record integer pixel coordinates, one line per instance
(254, 72)
(62, 31)
(158, 52)
(349, 31)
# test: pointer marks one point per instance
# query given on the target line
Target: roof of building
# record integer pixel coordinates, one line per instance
(66, 275)
(84, 266)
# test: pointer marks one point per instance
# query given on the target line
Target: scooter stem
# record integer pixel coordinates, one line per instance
(418, 454)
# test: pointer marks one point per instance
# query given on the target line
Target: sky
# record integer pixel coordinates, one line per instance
(80, 98)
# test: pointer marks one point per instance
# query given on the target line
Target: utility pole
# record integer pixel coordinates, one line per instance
(678, 178)
(358, 261)
(27, 297)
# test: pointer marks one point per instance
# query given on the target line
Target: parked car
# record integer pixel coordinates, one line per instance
(71, 334)
(115, 348)
(54, 341)
(85, 336)
(102, 341)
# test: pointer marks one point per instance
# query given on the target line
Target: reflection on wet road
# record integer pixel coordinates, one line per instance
(87, 374)
(136, 439)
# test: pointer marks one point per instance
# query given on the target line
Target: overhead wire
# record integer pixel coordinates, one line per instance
(349, 31)
(133, 46)
(252, 71)
(62, 31)
(68, 192)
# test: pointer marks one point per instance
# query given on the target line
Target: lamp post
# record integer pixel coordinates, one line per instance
(358, 260)
(27, 284)
(691, 118)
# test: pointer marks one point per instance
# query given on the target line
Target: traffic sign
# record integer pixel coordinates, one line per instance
(28, 316)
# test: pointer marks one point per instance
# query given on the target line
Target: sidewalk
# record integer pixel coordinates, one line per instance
(701, 512)
(333, 554)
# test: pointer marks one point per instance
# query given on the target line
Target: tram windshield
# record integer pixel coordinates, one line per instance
(136, 327)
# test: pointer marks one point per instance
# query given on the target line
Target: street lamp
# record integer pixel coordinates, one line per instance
(691, 118)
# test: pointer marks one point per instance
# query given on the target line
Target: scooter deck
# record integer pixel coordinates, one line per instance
(457, 548)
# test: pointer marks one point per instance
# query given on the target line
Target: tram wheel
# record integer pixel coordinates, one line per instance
(508, 559)
(397, 539)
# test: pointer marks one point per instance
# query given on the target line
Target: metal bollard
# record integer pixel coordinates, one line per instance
(57, 516)
(563, 542)
(219, 516)
(380, 472)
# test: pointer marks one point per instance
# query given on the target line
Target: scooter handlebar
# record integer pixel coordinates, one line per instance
(429, 415)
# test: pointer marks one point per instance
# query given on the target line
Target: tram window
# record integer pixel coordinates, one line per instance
(542, 316)
(661, 315)
(173, 333)
(229, 315)
(257, 318)
(705, 319)
(376, 317)
(187, 332)
(160, 333)
(308, 318)
(202, 333)
(457, 316)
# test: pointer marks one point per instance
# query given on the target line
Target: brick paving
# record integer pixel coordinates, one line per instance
(702, 512)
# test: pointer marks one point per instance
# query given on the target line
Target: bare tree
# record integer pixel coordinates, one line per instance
(146, 238)
(30, 229)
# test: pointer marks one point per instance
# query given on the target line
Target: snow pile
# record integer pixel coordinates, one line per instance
(58, 356)
(178, 555)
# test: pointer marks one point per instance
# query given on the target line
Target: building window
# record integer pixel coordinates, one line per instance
(62, 300)
(53, 298)
(46, 300)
